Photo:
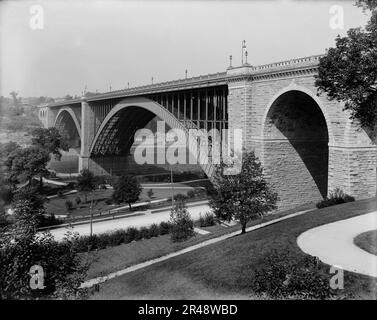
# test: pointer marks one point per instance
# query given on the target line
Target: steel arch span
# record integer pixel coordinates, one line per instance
(115, 135)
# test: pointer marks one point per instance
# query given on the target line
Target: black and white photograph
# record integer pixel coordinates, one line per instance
(188, 155)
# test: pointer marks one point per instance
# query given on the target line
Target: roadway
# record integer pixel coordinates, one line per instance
(138, 219)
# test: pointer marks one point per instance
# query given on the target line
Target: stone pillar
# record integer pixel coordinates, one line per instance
(239, 101)
(353, 169)
(87, 133)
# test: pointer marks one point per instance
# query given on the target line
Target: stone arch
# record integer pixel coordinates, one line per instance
(295, 87)
(128, 116)
(296, 132)
(66, 122)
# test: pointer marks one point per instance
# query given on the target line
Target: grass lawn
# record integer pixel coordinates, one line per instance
(367, 241)
(225, 269)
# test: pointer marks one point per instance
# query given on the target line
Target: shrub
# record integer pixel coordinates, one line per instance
(179, 197)
(207, 221)
(69, 205)
(191, 194)
(337, 196)
(60, 194)
(132, 234)
(78, 200)
(154, 230)
(145, 234)
(279, 277)
(182, 226)
(109, 201)
(164, 228)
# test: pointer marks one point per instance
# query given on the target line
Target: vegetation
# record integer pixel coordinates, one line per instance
(244, 196)
(182, 226)
(367, 241)
(49, 140)
(21, 249)
(126, 189)
(337, 196)
(29, 162)
(86, 182)
(207, 221)
(348, 72)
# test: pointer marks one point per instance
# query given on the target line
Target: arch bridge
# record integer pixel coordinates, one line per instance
(308, 145)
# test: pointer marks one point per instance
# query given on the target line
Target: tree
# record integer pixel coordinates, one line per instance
(348, 72)
(50, 140)
(126, 189)
(86, 182)
(21, 248)
(30, 162)
(244, 196)
(16, 101)
(182, 226)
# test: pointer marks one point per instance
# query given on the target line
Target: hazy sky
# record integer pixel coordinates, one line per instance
(103, 43)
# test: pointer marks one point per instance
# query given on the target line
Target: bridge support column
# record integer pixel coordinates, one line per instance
(87, 133)
(239, 102)
(353, 169)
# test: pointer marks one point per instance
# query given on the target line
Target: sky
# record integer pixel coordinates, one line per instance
(98, 44)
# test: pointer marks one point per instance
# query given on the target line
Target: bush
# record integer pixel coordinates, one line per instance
(182, 226)
(207, 221)
(69, 205)
(60, 194)
(145, 234)
(49, 220)
(179, 197)
(280, 278)
(191, 194)
(164, 228)
(337, 196)
(78, 200)
(109, 201)
(133, 234)
(154, 230)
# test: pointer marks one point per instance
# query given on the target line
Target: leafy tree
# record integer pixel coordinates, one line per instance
(30, 162)
(182, 226)
(16, 101)
(86, 182)
(348, 72)
(244, 196)
(21, 248)
(126, 189)
(50, 140)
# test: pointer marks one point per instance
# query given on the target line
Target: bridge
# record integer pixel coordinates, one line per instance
(308, 145)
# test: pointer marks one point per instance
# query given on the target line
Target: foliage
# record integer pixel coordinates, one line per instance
(337, 196)
(115, 238)
(50, 140)
(86, 182)
(244, 196)
(126, 189)
(206, 221)
(23, 248)
(78, 200)
(182, 226)
(179, 197)
(30, 162)
(280, 278)
(69, 205)
(348, 72)
(150, 193)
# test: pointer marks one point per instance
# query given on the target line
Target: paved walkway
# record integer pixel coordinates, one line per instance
(333, 244)
(92, 282)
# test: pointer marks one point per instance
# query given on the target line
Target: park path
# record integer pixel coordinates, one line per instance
(333, 244)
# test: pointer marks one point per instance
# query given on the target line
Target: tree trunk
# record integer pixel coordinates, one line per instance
(40, 183)
(129, 205)
(243, 228)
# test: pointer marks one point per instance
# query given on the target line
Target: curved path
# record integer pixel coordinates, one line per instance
(333, 244)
